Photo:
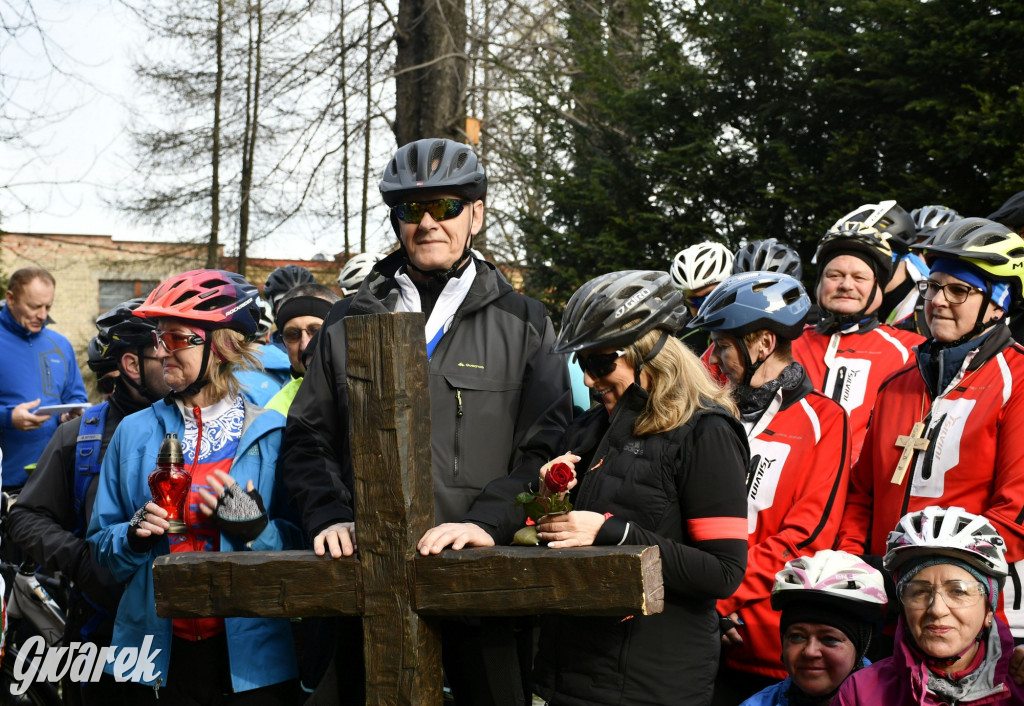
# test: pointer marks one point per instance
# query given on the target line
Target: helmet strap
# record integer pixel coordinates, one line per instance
(438, 274)
(201, 379)
(655, 350)
(139, 386)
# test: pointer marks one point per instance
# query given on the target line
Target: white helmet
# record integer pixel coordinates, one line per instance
(832, 576)
(700, 265)
(951, 532)
(355, 271)
(266, 321)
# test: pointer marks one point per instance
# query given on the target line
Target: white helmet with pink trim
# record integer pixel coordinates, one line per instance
(835, 577)
(951, 532)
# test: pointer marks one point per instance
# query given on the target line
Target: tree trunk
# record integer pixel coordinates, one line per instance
(252, 100)
(213, 246)
(431, 70)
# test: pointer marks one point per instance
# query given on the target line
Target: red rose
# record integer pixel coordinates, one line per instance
(558, 478)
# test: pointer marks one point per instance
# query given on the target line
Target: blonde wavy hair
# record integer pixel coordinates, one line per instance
(680, 385)
(229, 351)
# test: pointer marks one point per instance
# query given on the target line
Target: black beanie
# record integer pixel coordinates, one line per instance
(856, 629)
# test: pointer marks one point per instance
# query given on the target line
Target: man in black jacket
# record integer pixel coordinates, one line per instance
(49, 519)
(498, 396)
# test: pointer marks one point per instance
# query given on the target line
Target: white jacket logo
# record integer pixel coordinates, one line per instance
(632, 301)
(81, 662)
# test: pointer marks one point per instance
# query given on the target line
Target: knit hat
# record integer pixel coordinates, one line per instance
(915, 566)
(302, 306)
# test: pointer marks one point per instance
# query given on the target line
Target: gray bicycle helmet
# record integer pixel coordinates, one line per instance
(433, 166)
(928, 219)
(768, 256)
(754, 301)
(886, 217)
(617, 308)
(284, 278)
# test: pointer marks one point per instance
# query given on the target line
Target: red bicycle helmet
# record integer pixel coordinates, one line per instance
(207, 299)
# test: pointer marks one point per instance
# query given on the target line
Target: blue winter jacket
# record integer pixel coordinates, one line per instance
(260, 651)
(34, 365)
(258, 386)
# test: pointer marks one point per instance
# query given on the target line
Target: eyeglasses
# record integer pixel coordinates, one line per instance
(439, 209)
(954, 292)
(955, 594)
(172, 341)
(294, 335)
(599, 364)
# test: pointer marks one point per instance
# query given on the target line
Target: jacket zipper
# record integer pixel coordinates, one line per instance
(458, 431)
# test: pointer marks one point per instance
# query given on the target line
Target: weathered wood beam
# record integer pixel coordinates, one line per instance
(493, 581)
(389, 403)
(247, 584)
(532, 580)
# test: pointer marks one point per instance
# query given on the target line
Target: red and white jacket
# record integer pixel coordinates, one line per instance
(796, 489)
(851, 365)
(974, 459)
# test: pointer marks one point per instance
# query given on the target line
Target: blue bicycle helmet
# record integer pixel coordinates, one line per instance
(753, 301)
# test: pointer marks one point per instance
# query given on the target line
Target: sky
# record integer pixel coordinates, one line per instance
(81, 156)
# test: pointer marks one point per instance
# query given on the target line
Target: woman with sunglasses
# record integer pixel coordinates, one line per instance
(800, 461)
(947, 429)
(952, 647)
(204, 320)
(660, 461)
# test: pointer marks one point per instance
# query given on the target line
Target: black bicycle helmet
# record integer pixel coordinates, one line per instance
(1011, 213)
(433, 166)
(768, 256)
(101, 358)
(284, 278)
(886, 217)
(617, 308)
(121, 329)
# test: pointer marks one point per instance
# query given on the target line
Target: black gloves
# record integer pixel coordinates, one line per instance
(240, 513)
(137, 543)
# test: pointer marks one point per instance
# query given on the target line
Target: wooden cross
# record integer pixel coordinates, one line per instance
(910, 444)
(399, 593)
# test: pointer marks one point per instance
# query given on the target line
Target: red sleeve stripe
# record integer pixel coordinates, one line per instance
(707, 528)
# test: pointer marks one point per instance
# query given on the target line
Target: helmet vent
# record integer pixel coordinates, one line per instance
(461, 160)
(436, 153)
(412, 156)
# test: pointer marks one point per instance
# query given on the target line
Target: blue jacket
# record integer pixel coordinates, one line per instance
(260, 651)
(258, 386)
(34, 365)
(774, 695)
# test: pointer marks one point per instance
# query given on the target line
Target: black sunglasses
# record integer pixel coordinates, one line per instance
(599, 364)
(439, 209)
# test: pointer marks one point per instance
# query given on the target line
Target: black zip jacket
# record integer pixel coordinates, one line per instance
(498, 398)
(661, 490)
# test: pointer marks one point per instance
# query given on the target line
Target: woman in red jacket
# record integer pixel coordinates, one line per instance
(800, 461)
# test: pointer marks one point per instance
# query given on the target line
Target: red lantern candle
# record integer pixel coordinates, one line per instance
(170, 483)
